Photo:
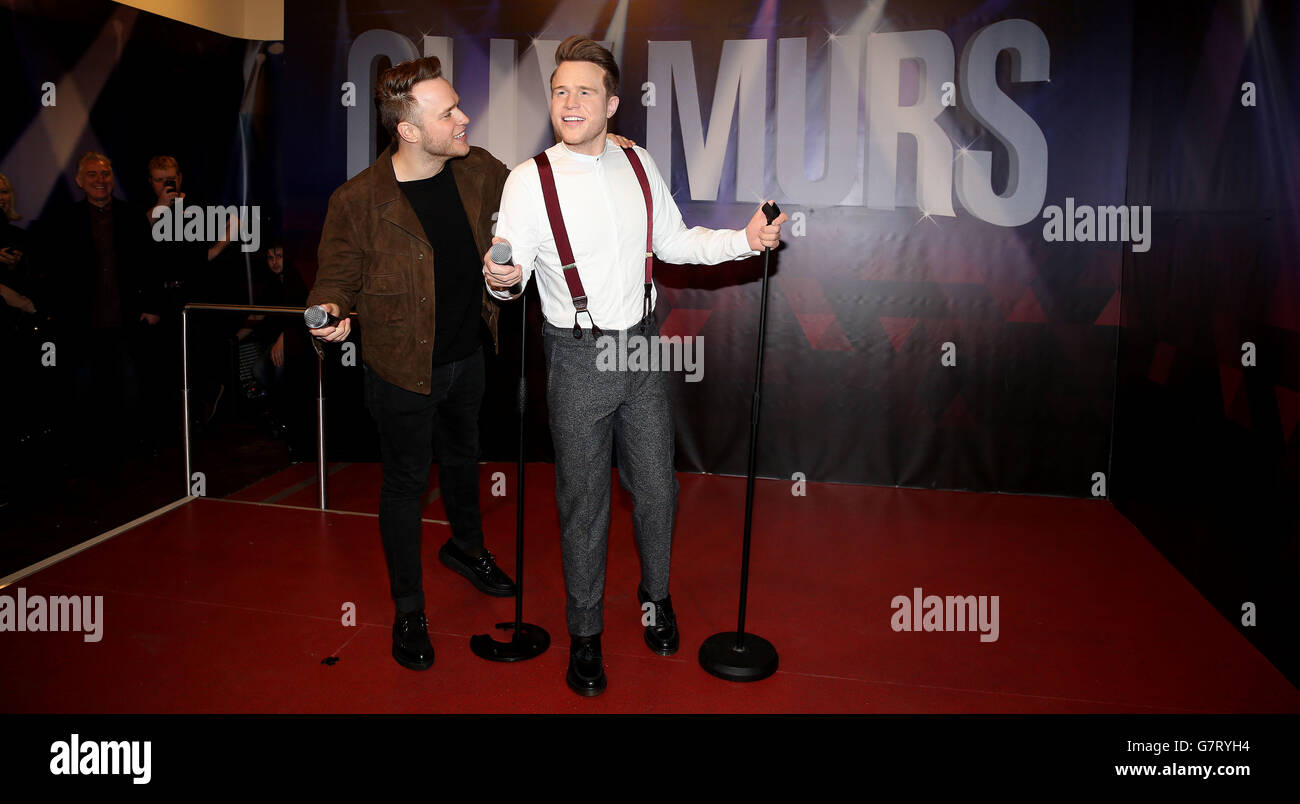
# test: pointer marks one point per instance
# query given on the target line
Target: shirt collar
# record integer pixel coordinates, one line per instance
(586, 158)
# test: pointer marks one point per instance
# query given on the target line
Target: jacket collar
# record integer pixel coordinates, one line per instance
(394, 207)
(391, 201)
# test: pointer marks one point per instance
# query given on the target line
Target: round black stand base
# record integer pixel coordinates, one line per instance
(527, 642)
(755, 662)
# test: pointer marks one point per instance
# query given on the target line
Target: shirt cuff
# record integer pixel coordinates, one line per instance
(503, 295)
(740, 245)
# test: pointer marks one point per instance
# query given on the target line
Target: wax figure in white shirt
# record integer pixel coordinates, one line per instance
(604, 212)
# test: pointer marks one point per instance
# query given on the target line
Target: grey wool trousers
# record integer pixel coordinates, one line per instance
(591, 412)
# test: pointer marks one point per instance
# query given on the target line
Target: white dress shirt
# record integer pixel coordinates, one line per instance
(604, 213)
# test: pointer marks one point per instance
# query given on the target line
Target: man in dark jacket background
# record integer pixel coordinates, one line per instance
(103, 297)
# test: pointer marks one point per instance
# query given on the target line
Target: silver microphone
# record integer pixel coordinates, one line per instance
(501, 254)
(317, 317)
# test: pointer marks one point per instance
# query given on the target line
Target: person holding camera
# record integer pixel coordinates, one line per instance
(187, 272)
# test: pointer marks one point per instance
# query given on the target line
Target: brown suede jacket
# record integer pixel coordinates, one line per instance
(374, 253)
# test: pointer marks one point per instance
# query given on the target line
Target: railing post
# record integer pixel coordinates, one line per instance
(323, 496)
(185, 390)
(320, 428)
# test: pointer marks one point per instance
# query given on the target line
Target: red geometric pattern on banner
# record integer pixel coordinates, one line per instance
(814, 325)
(1006, 295)
(1161, 362)
(1110, 314)
(834, 339)
(897, 329)
(1017, 303)
(685, 322)
(1027, 310)
(1288, 406)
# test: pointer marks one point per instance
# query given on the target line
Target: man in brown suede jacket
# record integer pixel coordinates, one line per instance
(403, 240)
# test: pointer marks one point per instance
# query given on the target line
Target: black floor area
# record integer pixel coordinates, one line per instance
(57, 499)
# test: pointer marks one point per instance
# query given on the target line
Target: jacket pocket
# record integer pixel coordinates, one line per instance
(383, 284)
(381, 303)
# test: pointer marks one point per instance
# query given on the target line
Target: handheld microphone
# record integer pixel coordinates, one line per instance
(501, 254)
(772, 211)
(318, 317)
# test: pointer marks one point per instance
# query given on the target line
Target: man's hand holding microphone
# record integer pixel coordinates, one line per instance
(499, 269)
(333, 328)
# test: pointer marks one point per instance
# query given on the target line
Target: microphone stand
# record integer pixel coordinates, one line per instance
(735, 655)
(526, 640)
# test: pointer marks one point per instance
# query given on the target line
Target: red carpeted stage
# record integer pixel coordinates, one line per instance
(232, 605)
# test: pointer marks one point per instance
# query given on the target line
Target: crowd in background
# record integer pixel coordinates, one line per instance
(90, 309)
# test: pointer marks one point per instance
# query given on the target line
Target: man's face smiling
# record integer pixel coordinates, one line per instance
(440, 126)
(96, 179)
(580, 109)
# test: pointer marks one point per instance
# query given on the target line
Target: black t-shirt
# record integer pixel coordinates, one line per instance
(457, 278)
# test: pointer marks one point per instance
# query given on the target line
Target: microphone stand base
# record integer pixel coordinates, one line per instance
(527, 642)
(754, 662)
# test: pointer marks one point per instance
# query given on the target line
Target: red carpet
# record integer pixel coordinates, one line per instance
(223, 606)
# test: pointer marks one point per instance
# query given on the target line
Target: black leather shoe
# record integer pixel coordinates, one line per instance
(483, 571)
(586, 674)
(411, 646)
(662, 637)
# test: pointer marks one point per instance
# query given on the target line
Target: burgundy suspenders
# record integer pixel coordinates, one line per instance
(561, 235)
(649, 228)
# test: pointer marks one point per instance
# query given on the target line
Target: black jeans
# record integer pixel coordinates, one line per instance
(410, 425)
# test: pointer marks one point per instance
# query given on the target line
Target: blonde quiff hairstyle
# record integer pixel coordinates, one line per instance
(581, 48)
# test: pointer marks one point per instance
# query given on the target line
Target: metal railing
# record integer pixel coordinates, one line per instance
(320, 384)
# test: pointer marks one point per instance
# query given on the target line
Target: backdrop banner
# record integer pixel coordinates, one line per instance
(944, 311)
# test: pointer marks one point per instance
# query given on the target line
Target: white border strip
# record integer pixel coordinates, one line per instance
(312, 508)
(89, 543)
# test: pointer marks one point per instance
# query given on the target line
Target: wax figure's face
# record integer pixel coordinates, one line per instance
(439, 127)
(159, 176)
(580, 109)
(275, 259)
(95, 178)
